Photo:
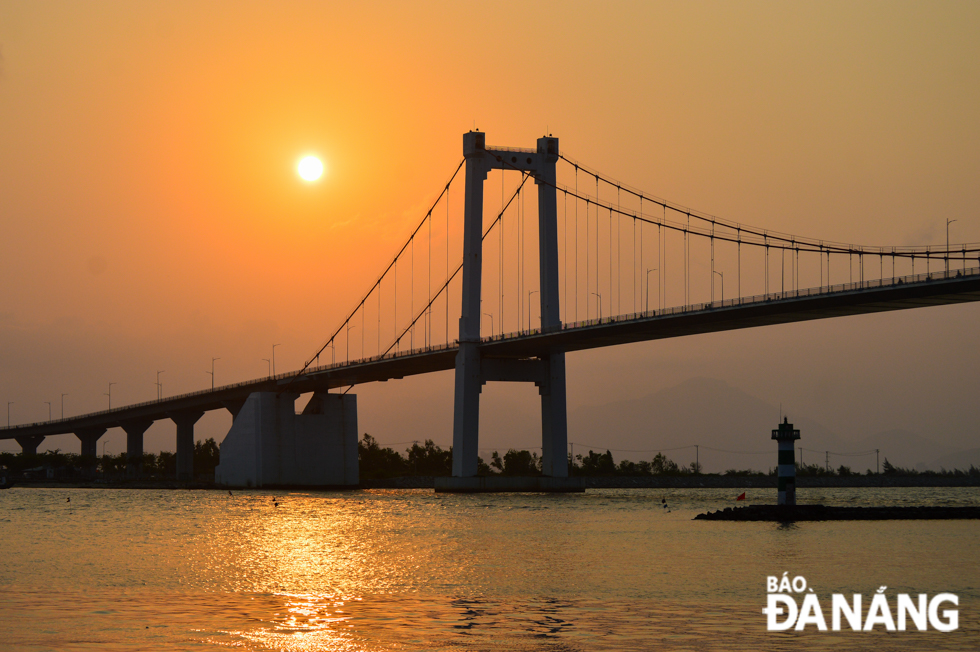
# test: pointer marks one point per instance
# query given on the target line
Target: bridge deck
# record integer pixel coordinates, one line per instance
(904, 293)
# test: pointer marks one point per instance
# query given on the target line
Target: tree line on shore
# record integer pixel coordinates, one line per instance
(111, 467)
(426, 459)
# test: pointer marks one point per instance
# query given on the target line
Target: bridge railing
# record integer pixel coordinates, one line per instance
(379, 358)
(838, 288)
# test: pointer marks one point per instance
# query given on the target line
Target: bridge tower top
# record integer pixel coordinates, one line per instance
(536, 161)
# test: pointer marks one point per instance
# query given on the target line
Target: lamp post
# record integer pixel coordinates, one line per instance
(212, 371)
(159, 386)
(600, 304)
(9, 403)
(722, 284)
(63, 405)
(487, 314)
(49, 409)
(274, 358)
(109, 394)
(652, 269)
(333, 352)
(349, 326)
(530, 292)
(268, 364)
(948, 222)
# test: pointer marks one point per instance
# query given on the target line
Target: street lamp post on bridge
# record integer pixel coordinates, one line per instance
(487, 314)
(48, 403)
(349, 326)
(212, 371)
(722, 285)
(529, 293)
(109, 394)
(948, 222)
(652, 269)
(599, 296)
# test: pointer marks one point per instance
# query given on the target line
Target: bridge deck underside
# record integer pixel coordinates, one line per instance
(607, 333)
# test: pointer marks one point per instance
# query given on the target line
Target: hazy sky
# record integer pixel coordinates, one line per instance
(152, 218)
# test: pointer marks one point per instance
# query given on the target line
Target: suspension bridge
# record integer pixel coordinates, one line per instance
(482, 287)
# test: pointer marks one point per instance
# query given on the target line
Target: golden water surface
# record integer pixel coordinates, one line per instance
(610, 569)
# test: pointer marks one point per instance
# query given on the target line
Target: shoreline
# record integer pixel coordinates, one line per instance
(718, 482)
(642, 482)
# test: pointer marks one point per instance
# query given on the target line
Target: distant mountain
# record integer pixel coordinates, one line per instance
(732, 428)
(906, 449)
(958, 460)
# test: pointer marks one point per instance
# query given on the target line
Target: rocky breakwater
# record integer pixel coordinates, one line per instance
(824, 513)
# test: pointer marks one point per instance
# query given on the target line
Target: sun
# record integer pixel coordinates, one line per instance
(310, 168)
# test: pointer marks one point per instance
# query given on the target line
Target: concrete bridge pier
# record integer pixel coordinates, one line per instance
(29, 444)
(269, 445)
(466, 410)
(90, 440)
(185, 442)
(554, 419)
(134, 446)
(234, 406)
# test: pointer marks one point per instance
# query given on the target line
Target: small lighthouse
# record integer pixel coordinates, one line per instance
(786, 436)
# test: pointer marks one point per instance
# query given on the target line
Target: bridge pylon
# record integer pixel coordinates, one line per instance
(473, 369)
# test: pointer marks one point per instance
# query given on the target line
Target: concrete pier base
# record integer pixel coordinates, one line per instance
(505, 484)
(29, 444)
(90, 440)
(185, 442)
(134, 446)
(269, 445)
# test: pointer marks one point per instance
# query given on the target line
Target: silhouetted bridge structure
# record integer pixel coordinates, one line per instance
(532, 352)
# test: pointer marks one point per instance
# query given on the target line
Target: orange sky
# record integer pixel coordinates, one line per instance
(152, 217)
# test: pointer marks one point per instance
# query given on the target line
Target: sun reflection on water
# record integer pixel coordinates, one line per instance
(303, 622)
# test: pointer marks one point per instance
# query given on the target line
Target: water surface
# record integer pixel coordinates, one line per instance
(410, 569)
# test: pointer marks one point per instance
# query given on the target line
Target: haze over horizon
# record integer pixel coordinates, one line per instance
(153, 219)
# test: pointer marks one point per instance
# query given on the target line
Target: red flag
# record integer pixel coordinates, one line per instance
(741, 496)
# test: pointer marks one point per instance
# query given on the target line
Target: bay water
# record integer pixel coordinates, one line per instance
(610, 569)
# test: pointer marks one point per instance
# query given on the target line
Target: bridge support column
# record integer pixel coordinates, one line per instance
(234, 406)
(554, 414)
(134, 446)
(554, 420)
(90, 440)
(466, 408)
(185, 442)
(29, 444)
